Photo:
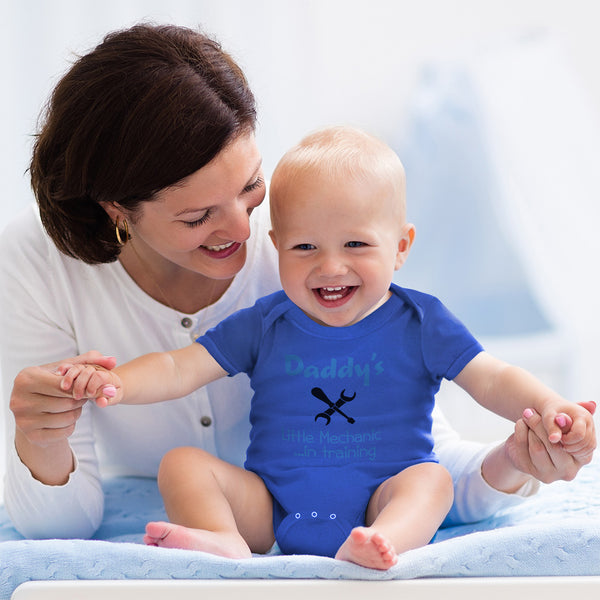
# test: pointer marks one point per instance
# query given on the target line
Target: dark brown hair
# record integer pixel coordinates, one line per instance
(146, 108)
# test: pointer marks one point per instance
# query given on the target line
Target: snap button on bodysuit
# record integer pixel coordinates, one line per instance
(307, 532)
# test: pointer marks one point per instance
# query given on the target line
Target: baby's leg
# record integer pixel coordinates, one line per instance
(404, 513)
(213, 506)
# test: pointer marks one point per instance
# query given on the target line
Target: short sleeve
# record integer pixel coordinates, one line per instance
(447, 344)
(234, 343)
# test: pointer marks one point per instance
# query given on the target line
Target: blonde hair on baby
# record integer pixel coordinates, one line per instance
(340, 151)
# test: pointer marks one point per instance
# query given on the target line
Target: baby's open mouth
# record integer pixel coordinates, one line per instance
(331, 294)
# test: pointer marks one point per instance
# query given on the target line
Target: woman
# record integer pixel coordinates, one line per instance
(149, 187)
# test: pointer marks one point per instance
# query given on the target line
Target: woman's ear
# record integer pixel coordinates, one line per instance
(113, 210)
(405, 244)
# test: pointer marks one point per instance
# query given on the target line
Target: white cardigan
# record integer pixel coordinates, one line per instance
(53, 307)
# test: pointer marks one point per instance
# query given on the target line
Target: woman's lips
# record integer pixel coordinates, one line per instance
(221, 250)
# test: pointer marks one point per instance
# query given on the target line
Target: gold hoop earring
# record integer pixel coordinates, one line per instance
(120, 240)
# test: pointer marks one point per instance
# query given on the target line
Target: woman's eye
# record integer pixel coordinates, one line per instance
(203, 219)
(254, 185)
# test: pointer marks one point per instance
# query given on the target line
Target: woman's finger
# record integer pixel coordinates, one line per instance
(589, 405)
(95, 358)
(550, 461)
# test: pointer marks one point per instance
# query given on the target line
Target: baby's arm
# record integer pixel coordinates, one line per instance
(509, 391)
(150, 378)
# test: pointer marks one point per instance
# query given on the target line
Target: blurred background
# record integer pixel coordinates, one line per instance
(493, 106)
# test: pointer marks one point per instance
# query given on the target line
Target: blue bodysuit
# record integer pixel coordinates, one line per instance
(338, 410)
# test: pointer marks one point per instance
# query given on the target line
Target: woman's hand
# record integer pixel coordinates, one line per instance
(45, 417)
(531, 453)
(527, 453)
(44, 412)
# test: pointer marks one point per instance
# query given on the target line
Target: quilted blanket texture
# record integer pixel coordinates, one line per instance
(556, 532)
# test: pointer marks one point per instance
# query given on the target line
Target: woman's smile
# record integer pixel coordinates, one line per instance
(221, 250)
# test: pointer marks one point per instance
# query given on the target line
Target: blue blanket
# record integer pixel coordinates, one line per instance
(555, 533)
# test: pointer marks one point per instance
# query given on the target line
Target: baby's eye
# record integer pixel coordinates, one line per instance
(355, 244)
(304, 247)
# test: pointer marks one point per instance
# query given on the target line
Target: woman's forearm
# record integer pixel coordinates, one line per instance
(51, 464)
(58, 507)
(499, 471)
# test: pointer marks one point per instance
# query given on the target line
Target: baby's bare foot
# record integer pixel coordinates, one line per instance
(367, 548)
(169, 535)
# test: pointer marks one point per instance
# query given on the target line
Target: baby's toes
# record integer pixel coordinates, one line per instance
(381, 543)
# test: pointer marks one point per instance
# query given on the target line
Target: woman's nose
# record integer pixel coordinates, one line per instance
(236, 223)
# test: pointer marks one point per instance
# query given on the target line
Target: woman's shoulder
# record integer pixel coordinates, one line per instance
(27, 250)
(25, 223)
(24, 237)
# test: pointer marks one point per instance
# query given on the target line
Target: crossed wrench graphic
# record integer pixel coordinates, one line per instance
(333, 407)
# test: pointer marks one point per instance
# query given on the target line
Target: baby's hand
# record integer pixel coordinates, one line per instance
(572, 427)
(90, 381)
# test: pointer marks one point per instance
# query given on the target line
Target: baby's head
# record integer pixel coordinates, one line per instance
(341, 155)
(338, 212)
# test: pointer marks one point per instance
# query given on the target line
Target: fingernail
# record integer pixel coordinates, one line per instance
(110, 391)
(561, 420)
(527, 413)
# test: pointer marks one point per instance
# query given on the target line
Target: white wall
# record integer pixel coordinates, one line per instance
(311, 62)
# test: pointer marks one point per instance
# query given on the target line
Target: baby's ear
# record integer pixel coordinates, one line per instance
(273, 238)
(404, 245)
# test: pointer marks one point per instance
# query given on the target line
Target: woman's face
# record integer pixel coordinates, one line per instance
(202, 223)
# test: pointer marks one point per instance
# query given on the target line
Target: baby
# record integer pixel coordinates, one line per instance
(344, 366)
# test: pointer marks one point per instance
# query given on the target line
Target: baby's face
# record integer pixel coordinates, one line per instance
(339, 243)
